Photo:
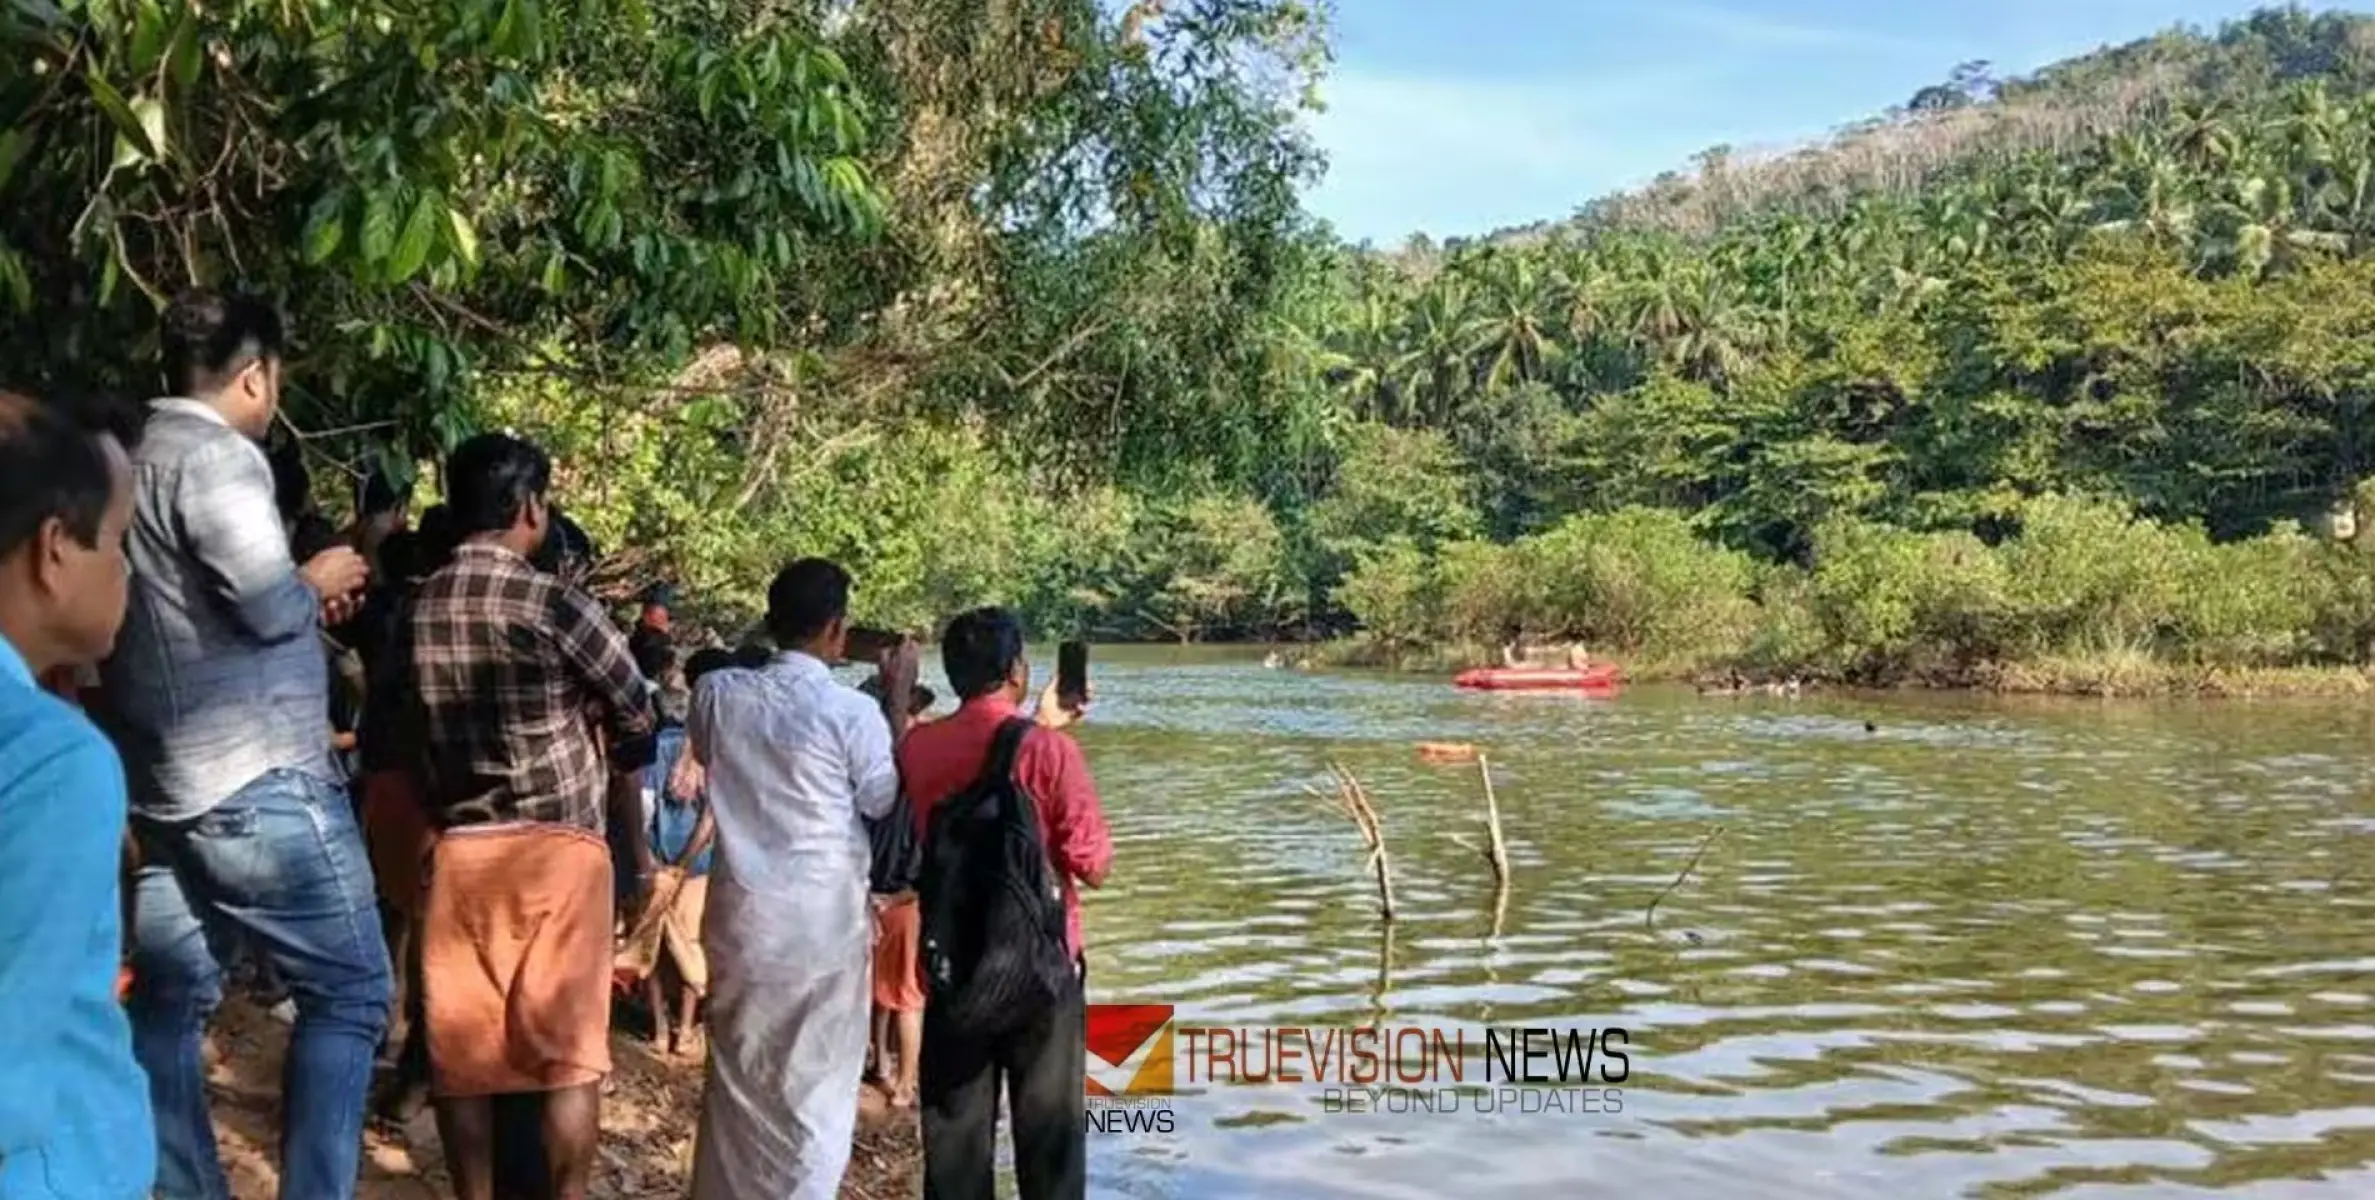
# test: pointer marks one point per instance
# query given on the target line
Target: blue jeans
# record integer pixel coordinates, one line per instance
(282, 863)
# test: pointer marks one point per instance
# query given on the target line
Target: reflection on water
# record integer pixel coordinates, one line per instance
(1983, 949)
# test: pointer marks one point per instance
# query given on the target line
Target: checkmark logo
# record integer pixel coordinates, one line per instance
(1129, 1049)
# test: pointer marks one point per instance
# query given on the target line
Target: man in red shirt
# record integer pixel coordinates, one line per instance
(1042, 1065)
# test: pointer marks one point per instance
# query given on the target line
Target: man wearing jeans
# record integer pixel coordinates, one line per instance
(217, 694)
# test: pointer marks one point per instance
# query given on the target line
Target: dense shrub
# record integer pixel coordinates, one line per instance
(1889, 601)
(2082, 590)
(1395, 594)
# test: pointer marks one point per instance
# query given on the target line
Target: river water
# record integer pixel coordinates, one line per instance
(1982, 948)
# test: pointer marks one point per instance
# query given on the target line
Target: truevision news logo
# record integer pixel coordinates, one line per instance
(1138, 1056)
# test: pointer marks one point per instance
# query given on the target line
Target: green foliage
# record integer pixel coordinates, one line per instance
(1397, 597)
(2082, 582)
(1636, 582)
(1223, 566)
(1888, 602)
(1392, 484)
(454, 193)
(1017, 303)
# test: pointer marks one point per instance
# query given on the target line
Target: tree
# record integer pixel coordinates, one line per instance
(460, 192)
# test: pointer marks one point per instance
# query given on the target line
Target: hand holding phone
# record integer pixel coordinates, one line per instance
(899, 665)
(1072, 673)
(1066, 699)
(865, 645)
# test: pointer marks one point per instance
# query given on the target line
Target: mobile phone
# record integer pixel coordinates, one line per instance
(866, 645)
(1072, 673)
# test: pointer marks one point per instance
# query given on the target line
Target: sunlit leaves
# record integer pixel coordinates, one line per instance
(421, 230)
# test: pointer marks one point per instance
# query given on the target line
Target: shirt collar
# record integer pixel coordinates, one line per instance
(488, 546)
(195, 408)
(800, 662)
(996, 706)
(12, 664)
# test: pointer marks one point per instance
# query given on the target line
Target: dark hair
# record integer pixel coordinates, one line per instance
(979, 650)
(490, 481)
(103, 413)
(399, 556)
(377, 493)
(713, 658)
(292, 483)
(51, 466)
(437, 541)
(312, 534)
(919, 697)
(750, 656)
(654, 654)
(805, 597)
(210, 336)
(566, 544)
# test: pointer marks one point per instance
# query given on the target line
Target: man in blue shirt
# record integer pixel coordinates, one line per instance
(74, 1107)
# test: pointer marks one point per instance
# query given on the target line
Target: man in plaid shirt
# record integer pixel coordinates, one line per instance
(505, 664)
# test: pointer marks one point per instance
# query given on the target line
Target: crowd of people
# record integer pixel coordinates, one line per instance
(415, 777)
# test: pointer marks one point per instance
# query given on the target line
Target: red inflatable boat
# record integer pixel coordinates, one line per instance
(1600, 678)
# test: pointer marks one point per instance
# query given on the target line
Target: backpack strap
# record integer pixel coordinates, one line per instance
(1004, 749)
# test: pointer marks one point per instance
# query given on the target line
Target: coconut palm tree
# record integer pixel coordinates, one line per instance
(1436, 369)
(2255, 229)
(1511, 328)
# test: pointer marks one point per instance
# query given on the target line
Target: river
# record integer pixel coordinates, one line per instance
(1981, 948)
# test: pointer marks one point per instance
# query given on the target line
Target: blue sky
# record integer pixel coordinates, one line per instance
(1462, 116)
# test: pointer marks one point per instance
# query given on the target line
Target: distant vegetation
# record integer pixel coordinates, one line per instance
(2127, 300)
(1017, 303)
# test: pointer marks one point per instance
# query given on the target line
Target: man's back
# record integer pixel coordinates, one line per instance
(218, 677)
(507, 662)
(942, 758)
(795, 759)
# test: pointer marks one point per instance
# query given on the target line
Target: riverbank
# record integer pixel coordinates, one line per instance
(2108, 676)
(650, 1109)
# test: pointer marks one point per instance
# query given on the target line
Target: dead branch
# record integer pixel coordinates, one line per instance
(1353, 801)
(1649, 917)
(1499, 855)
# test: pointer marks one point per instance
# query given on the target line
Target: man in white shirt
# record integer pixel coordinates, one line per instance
(796, 761)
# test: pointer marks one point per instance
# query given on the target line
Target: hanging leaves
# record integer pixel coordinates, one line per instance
(419, 237)
(129, 125)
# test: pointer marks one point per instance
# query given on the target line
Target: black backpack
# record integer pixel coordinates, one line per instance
(995, 953)
(898, 848)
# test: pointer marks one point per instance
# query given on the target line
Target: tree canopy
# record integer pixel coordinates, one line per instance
(865, 278)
